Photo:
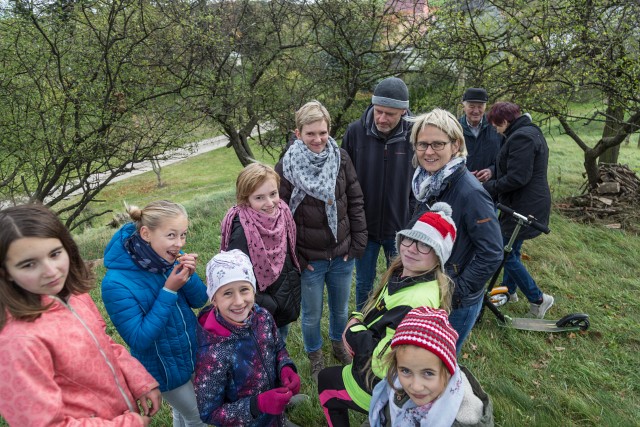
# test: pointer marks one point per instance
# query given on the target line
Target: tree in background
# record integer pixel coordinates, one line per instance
(548, 55)
(86, 88)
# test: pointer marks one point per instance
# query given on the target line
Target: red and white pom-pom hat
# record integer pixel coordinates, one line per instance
(429, 328)
(434, 228)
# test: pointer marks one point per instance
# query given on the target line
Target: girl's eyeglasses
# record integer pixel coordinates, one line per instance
(435, 146)
(423, 248)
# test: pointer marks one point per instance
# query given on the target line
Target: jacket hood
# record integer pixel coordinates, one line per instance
(115, 255)
(522, 121)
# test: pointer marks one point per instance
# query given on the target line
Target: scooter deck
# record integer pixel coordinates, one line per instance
(540, 325)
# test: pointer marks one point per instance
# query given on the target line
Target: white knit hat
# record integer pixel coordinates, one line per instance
(227, 267)
(434, 228)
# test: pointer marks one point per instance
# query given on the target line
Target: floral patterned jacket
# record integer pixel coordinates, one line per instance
(234, 364)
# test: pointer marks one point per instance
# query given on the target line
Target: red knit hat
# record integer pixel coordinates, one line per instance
(434, 228)
(429, 328)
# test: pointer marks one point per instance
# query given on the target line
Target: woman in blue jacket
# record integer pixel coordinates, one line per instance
(149, 291)
(442, 176)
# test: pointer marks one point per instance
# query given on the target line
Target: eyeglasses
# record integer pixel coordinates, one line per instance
(435, 146)
(423, 248)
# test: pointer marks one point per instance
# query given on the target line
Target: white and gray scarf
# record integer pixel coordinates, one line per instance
(314, 175)
(425, 185)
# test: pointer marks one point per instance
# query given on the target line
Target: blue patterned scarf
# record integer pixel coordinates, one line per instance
(314, 175)
(144, 256)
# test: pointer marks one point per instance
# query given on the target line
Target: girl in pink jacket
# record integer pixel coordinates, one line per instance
(57, 364)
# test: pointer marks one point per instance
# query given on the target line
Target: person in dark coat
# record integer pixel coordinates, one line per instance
(521, 184)
(321, 188)
(480, 138)
(379, 147)
(261, 226)
(443, 177)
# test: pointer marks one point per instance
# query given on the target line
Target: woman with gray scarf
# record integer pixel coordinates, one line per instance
(442, 176)
(320, 185)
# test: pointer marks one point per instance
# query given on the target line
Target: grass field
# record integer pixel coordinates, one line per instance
(535, 379)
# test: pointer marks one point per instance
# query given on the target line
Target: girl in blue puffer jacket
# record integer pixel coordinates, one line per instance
(149, 291)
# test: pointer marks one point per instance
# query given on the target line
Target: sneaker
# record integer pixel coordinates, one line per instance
(340, 353)
(539, 310)
(296, 400)
(513, 297)
(317, 364)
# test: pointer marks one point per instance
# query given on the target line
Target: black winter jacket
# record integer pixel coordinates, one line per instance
(483, 149)
(477, 252)
(282, 297)
(521, 176)
(314, 238)
(384, 169)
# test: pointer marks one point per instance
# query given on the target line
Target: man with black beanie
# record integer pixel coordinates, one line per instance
(379, 147)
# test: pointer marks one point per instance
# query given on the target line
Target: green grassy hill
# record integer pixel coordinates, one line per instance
(535, 379)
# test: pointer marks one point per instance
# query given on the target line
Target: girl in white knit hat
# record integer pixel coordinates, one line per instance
(424, 385)
(415, 278)
(244, 376)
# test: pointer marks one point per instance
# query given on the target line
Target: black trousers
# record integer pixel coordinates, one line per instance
(334, 398)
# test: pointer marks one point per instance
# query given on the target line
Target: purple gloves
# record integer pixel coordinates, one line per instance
(290, 379)
(274, 401)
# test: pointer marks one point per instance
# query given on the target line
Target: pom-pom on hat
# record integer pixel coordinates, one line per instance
(429, 328)
(434, 228)
(391, 92)
(475, 94)
(227, 267)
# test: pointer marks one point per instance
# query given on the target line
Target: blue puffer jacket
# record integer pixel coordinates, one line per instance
(158, 325)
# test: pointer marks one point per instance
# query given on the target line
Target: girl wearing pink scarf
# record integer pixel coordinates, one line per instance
(261, 225)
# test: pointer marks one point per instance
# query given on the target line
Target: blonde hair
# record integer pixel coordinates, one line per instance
(250, 178)
(311, 112)
(443, 120)
(152, 215)
(445, 285)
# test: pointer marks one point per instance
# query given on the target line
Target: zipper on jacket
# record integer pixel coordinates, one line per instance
(104, 355)
(272, 384)
(186, 332)
(384, 189)
(155, 345)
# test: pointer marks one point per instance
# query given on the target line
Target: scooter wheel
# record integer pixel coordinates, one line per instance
(579, 320)
(499, 299)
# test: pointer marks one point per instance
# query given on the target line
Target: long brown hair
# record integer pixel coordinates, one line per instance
(445, 284)
(38, 221)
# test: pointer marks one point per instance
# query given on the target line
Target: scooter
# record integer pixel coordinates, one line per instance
(497, 296)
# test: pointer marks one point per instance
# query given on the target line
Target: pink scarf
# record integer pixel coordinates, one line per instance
(267, 238)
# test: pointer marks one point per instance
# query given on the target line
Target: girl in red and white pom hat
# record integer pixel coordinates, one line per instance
(415, 278)
(425, 386)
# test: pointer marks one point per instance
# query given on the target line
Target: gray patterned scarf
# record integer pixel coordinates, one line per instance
(425, 185)
(314, 175)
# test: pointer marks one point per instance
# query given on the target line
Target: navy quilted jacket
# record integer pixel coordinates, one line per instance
(158, 325)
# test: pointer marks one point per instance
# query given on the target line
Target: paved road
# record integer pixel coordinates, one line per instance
(201, 147)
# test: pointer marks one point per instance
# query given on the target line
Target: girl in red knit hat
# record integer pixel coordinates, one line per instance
(424, 385)
(415, 278)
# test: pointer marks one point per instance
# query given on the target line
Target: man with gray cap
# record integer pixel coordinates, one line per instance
(379, 147)
(481, 139)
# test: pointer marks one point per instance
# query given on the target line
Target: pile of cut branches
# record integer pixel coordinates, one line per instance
(615, 202)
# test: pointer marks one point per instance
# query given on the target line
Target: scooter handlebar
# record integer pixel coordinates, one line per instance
(530, 221)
